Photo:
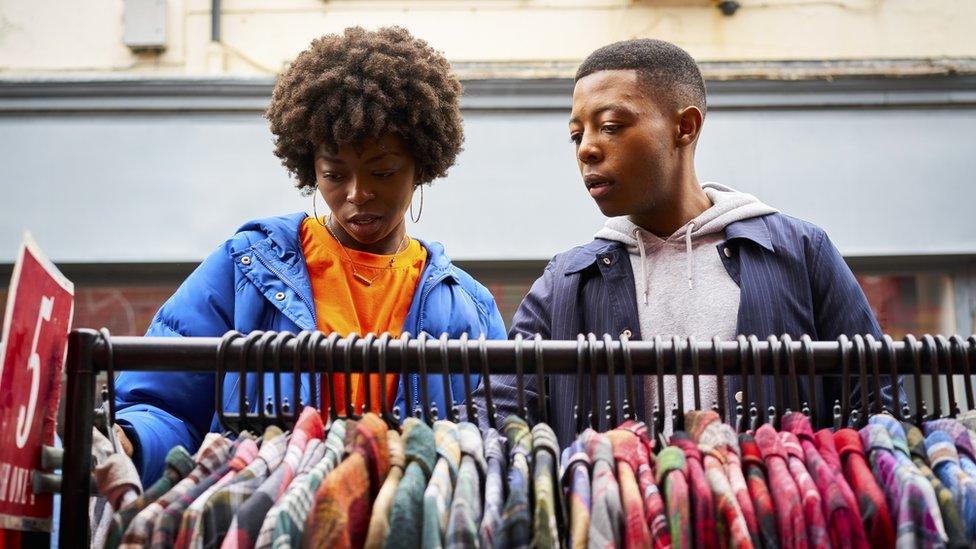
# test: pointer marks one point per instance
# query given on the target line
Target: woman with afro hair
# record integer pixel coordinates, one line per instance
(362, 120)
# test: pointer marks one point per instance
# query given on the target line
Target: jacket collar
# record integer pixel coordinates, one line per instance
(754, 229)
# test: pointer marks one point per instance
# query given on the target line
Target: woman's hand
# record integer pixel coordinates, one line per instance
(123, 440)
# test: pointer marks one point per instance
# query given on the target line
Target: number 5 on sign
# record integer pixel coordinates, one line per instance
(40, 303)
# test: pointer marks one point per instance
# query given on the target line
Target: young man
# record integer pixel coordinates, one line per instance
(675, 257)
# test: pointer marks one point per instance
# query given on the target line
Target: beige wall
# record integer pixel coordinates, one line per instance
(484, 37)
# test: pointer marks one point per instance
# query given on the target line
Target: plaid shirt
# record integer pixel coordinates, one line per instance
(462, 525)
(549, 511)
(945, 462)
(754, 470)
(179, 463)
(910, 495)
(379, 521)
(576, 487)
(167, 524)
(636, 533)
(789, 506)
(713, 441)
(960, 435)
(871, 500)
(406, 516)
(343, 503)
(213, 453)
(702, 502)
(606, 515)
(247, 521)
(843, 518)
(284, 525)
(494, 487)
(642, 461)
(516, 522)
(951, 518)
(813, 509)
(440, 488)
(672, 476)
(191, 532)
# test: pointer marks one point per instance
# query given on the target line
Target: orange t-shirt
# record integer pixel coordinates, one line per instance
(345, 305)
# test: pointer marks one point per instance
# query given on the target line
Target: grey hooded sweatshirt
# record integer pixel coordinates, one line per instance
(681, 283)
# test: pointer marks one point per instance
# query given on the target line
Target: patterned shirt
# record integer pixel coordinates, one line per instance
(702, 503)
(640, 458)
(951, 518)
(813, 515)
(516, 524)
(548, 513)
(494, 487)
(576, 486)
(606, 514)
(787, 501)
(960, 435)
(625, 444)
(462, 525)
(945, 462)
(754, 470)
(440, 487)
(179, 463)
(246, 524)
(672, 477)
(214, 451)
(843, 518)
(284, 525)
(910, 495)
(340, 514)
(871, 500)
(406, 515)
(379, 521)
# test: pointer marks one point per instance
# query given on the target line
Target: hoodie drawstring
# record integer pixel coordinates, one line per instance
(643, 260)
(689, 256)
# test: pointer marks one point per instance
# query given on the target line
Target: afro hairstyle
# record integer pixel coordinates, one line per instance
(364, 84)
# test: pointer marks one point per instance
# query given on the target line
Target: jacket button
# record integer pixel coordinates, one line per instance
(738, 397)
(626, 333)
(280, 296)
(246, 260)
(727, 251)
(606, 260)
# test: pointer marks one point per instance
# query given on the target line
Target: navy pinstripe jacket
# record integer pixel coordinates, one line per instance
(791, 277)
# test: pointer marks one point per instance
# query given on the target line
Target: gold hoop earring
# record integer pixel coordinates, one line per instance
(421, 211)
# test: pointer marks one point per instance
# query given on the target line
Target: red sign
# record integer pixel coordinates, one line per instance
(40, 303)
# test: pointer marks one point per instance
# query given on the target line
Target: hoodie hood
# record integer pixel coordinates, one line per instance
(728, 206)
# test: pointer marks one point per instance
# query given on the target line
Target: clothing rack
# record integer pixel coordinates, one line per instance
(866, 359)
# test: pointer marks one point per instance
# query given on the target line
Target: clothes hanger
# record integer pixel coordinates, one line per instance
(945, 351)
(793, 380)
(810, 406)
(486, 381)
(220, 369)
(930, 351)
(429, 411)
(368, 341)
(580, 359)
(911, 346)
(611, 407)
(392, 419)
(657, 413)
(860, 417)
(740, 405)
(874, 357)
(959, 349)
(721, 399)
(313, 352)
(842, 407)
(242, 403)
(451, 414)
(109, 386)
(350, 342)
(469, 405)
(272, 404)
(898, 409)
(774, 411)
(409, 401)
(594, 414)
(678, 408)
(519, 378)
(695, 371)
(630, 404)
(301, 353)
(754, 410)
(540, 380)
(261, 417)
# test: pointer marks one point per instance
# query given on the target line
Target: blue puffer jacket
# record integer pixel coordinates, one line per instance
(257, 280)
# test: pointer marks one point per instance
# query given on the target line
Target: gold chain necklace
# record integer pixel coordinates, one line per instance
(355, 274)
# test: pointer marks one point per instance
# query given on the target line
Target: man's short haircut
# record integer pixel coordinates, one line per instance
(660, 65)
